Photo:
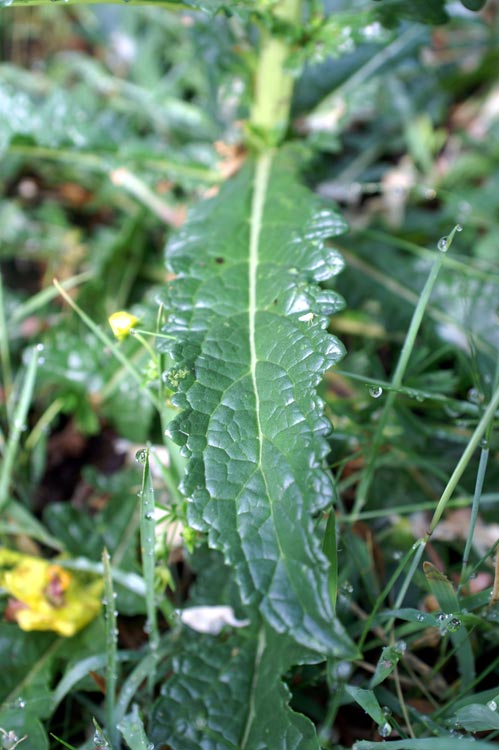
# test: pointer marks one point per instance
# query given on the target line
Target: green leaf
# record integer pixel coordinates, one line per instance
(390, 657)
(368, 701)
(443, 590)
(249, 320)
(21, 724)
(26, 665)
(473, 4)
(391, 12)
(428, 743)
(478, 718)
(26, 662)
(226, 694)
(132, 729)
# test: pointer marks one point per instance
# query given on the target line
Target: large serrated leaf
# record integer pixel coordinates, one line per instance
(227, 694)
(249, 318)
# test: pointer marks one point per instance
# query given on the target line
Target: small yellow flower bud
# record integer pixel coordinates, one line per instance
(121, 323)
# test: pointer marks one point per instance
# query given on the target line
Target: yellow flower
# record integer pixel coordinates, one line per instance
(121, 323)
(46, 596)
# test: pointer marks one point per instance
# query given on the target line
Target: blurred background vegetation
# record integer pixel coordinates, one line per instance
(113, 121)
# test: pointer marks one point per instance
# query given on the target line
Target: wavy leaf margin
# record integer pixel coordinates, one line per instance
(249, 319)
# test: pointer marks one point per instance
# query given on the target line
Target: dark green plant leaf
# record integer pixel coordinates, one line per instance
(249, 320)
(443, 590)
(26, 662)
(226, 694)
(21, 724)
(428, 743)
(387, 662)
(391, 12)
(26, 665)
(368, 701)
(132, 729)
(478, 718)
(431, 12)
(473, 4)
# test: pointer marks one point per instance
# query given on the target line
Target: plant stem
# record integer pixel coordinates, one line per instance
(147, 546)
(5, 354)
(399, 373)
(18, 425)
(108, 343)
(463, 462)
(111, 651)
(273, 83)
(482, 468)
(105, 163)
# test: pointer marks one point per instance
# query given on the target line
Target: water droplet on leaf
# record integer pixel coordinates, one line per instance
(454, 624)
(384, 730)
(443, 244)
(99, 739)
(343, 670)
(141, 456)
(474, 396)
(492, 705)
(375, 391)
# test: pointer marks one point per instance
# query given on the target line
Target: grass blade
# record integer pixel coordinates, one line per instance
(147, 545)
(111, 650)
(399, 373)
(17, 427)
(132, 729)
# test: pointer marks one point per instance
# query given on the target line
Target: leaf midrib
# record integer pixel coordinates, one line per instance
(254, 682)
(261, 182)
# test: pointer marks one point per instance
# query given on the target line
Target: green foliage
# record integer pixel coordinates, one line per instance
(247, 292)
(426, 11)
(423, 11)
(227, 694)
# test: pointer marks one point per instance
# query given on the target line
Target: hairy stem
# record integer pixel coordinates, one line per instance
(273, 83)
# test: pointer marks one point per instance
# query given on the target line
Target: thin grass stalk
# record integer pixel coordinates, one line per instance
(43, 423)
(18, 425)
(480, 477)
(147, 546)
(132, 683)
(6, 367)
(473, 444)
(116, 351)
(111, 652)
(103, 163)
(40, 299)
(396, 383)
(463, 462)
(382, 596)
